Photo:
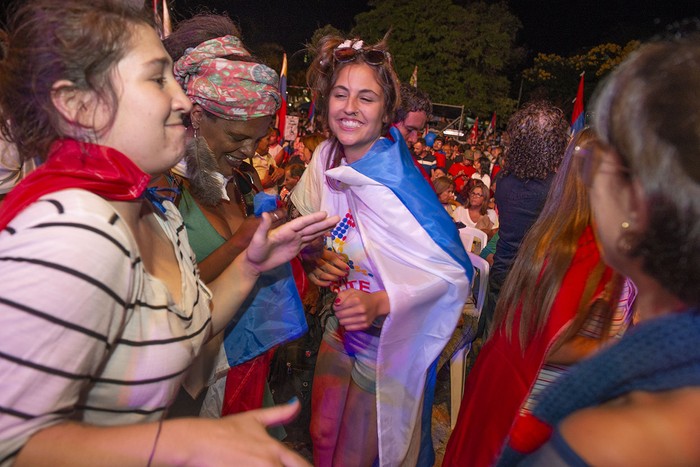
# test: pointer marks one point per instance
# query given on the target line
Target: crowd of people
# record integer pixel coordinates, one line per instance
(160, 245)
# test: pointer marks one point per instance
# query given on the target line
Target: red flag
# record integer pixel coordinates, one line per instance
(474, 134)
(312, 111)
(282, 112)
(492, 125)
(578, 116)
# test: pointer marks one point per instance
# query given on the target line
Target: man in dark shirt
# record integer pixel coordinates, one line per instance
(538, 134)
(423, 155)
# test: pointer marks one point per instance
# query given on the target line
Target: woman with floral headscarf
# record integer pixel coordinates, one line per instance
(234, 100)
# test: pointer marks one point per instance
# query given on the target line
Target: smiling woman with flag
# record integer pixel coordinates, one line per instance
(395, 261)
(235, 99)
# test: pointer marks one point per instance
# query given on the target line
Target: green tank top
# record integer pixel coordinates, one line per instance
(204, 238)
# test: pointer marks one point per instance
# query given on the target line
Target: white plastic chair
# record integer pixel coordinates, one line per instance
(458, 362)
(468, 234)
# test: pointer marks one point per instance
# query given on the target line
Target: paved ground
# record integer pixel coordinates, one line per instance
(441, 408)
(441, 415)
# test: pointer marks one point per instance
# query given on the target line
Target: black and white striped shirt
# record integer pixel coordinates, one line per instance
(85, 333)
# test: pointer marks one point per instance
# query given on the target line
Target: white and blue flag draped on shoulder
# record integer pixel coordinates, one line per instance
(416, 249)
(390, 164)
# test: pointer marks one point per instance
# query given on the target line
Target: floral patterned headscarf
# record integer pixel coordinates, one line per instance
(229, 89)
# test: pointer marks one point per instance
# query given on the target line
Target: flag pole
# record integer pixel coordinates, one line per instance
(414, 77)
(282, 112)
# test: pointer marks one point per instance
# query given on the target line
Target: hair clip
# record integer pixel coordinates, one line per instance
(356, 44)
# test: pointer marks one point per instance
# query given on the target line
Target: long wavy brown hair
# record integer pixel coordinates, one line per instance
(545, 256)
(323, 73)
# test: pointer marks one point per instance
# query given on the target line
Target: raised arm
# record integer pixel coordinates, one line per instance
(217, 262)
(267, 249)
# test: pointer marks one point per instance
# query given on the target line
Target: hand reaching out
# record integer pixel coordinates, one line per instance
(239, 439)
(242, 439)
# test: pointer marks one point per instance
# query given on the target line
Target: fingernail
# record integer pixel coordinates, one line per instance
(337, 301)
(293, 400)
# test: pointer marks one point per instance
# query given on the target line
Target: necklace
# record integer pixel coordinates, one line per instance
(239, 199)
(244, 200)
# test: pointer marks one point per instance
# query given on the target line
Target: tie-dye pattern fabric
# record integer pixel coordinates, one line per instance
(229, 89)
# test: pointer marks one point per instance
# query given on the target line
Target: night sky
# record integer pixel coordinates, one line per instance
(559, 26)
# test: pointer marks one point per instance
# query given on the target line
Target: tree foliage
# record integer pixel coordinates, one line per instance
(462, 53)
(271, 54)
(556, 78)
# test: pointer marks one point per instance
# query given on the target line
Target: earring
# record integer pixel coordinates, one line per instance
(195, 131)
(629, 240)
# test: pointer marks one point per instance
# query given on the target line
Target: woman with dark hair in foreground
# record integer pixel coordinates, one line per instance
(638, 402)
(101, 306)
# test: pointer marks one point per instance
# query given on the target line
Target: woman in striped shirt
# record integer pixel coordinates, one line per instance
(101, 306)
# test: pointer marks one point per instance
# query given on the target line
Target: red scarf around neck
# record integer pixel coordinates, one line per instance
(103, 171)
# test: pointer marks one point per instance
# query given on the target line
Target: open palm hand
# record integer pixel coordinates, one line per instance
(270, 248)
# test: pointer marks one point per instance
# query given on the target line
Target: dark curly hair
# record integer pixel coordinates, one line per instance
(200, 28)
(412, 100)
(50, 41)
(538, 136)
(647, 111)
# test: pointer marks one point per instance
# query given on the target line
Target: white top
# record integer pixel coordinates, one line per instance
(85, 332)
(275, 150)
(461, 214)
(345, 238)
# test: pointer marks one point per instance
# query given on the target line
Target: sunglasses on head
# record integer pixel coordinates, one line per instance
(348, 54)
